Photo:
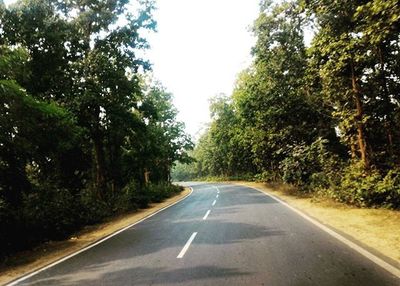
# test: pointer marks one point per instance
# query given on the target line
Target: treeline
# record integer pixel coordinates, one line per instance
(325, 118)
(84, 132)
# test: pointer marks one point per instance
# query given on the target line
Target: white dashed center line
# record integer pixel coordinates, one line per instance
(206, 215)
(186, 247)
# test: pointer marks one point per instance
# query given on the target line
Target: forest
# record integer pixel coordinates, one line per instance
(322, 116)
(85, 132)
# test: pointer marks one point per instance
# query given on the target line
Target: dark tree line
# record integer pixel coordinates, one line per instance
(325, 118)
(84, 133)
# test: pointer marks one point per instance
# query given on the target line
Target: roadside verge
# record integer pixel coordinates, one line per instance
(53, 252)
(377, 230)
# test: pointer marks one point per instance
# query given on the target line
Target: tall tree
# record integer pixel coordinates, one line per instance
(277, 102)
(83, 55)
(166, 140)
(356, 47)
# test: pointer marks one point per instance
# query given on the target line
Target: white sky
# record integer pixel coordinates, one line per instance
(200, 47)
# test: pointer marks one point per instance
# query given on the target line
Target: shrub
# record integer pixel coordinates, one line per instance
(369, 188)
(302, 161)
(8, 228)
(159, 192)
(49, 213)
(53, 213)
(388, 190)
(135, 196)
(266, 176)
(93, 208)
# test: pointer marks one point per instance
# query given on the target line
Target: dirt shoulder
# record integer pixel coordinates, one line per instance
(45, 254)
(377, 229)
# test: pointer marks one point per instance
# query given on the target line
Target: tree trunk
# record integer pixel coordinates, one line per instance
(99, 163)
(353, 149)
(146, 176)
(386, 98)
(361, 138)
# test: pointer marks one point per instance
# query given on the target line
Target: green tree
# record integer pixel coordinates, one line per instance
(83, 55)
(274, 99)
(166, 141)
(357, 57)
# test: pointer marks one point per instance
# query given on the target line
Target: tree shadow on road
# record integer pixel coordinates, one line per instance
(131, 247)
(145, 276)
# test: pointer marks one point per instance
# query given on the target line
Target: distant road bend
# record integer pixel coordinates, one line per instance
(220, 235)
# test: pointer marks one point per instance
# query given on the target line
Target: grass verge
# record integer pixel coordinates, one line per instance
(378, 229)
(47, 253)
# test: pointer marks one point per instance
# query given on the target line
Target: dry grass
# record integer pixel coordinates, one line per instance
(379, 229)
(47, 253)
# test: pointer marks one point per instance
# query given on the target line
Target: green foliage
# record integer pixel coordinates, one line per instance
(388, 190)
(368, 188)
(159, 192)
(359, 81)
(166, 141)
(49, 213)
(324, 118)
(135, 196)
(93, 208)
(184, 172)
(82, 129)
(266, 176)
(302, 162)
(36, 138)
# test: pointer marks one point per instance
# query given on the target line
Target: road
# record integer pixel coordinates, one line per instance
(220, 235)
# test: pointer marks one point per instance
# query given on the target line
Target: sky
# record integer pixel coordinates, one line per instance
(200, 47)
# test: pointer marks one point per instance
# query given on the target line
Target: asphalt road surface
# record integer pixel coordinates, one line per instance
(220, 235)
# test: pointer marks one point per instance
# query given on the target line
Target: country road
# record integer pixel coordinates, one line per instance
(220, 235)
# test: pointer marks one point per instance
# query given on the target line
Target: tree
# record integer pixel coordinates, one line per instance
(356, 80)
(166, 141)
(83, 55)
(275, 98)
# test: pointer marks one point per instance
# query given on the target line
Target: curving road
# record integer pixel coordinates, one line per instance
(220, 235)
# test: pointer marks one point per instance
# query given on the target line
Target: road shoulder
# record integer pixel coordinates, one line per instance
(48, 253)
(377, 230)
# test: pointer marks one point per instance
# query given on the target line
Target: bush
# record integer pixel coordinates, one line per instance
(159, 192)
(331, 167)
(242, 177)
(93, 209)
(49, 213)
(135, 196)
(388, 190)
(302, 161)
(369, 188)
(266, 176)
(8, 228)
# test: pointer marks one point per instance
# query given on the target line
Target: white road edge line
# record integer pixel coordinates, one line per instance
(388, 267)
(206, 215)
(15, 282)
(213, 204)
(187, 245)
